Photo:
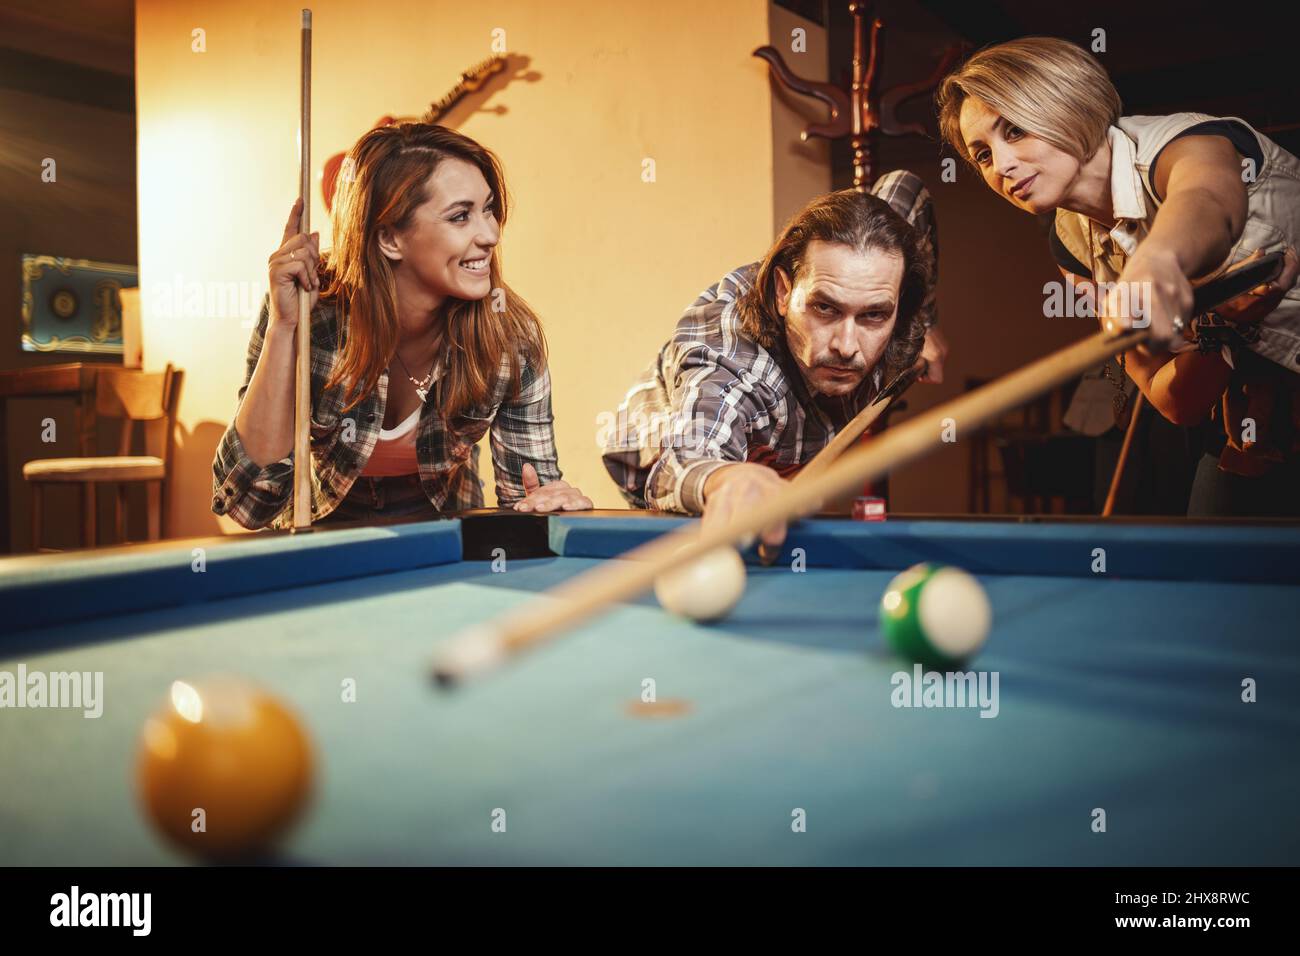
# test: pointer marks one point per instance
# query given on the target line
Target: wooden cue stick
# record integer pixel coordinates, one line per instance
(1113, 493)
(863, 420)
(850, 433)
(485, 646)
(302, 370)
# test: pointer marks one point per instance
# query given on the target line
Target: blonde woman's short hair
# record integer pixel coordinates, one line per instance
(1048, 87)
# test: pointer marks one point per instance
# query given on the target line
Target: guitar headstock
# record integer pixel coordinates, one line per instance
(473, 78)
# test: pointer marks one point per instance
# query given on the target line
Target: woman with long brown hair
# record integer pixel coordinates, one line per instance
(418, 350)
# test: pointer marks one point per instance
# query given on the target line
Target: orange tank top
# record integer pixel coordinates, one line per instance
(394, 452)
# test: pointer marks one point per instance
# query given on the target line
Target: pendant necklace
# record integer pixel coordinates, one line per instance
(421, 385)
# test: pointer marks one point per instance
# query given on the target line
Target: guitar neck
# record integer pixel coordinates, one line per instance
(470, 80)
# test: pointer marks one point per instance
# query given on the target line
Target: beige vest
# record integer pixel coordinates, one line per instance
(1272, 216)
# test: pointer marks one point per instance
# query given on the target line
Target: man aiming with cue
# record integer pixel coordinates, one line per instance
(782, 357)
(484, 647)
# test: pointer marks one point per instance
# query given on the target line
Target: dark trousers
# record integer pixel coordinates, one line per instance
(372, 499)
(1216, 493)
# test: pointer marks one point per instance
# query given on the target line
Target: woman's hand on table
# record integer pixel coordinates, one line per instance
(555, 496)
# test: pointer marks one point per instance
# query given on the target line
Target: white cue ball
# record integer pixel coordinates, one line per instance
(705, 589)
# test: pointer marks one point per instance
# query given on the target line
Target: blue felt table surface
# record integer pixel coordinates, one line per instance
(1119, 694)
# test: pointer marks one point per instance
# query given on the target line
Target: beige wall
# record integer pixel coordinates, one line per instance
(802, 169)
(608, 260)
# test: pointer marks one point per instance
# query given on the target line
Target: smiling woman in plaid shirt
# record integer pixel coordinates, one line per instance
(768, 364)
(418, 350)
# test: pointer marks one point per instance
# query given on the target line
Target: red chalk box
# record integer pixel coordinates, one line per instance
(868, 509)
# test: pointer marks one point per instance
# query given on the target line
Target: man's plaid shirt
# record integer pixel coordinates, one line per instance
(341, 442)
(714, 397)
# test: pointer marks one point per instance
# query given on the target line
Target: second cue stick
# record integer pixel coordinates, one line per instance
(302, 368)
(849, 434)
(864, 419)
(486, 646)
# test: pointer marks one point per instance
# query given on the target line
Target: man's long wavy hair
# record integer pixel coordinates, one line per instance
(864, 223)
(384, 180)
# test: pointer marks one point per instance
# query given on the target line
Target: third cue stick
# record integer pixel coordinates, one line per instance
(485, 646)
(302, 368)
(1113, 493)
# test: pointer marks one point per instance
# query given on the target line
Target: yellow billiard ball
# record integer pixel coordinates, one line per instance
(224, 769)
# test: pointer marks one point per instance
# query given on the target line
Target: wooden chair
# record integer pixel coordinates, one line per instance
(1032, 426)
(1044, 470)
(149, 398)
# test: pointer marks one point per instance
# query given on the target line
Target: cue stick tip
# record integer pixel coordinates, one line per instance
(472, 652)
(445, 679)
(306, 18)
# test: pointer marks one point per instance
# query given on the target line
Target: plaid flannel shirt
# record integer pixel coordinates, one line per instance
(713, 397)
(341, 442)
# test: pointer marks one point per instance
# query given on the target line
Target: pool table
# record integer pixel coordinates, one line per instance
(774, 736)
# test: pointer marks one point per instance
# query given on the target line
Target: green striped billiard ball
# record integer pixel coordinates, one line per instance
(935, 615)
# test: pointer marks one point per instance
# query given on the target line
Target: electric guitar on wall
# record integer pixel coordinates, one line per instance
(470, 81)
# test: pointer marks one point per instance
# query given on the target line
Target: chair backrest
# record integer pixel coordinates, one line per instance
(136, 396)
(1033, 421)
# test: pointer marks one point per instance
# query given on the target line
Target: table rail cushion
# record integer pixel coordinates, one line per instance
(39, 591)
(1161, 552)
